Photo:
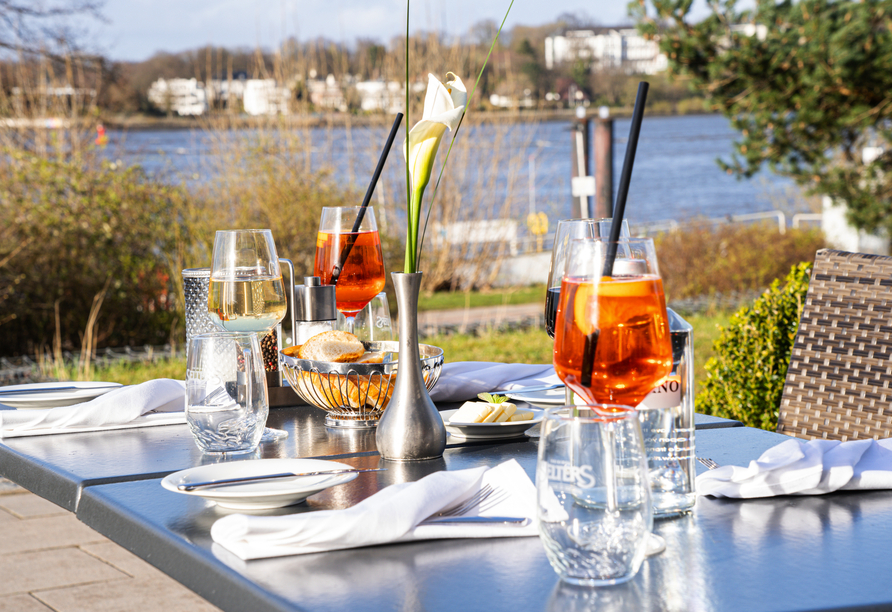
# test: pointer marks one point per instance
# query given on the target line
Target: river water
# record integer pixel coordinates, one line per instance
(675, 173)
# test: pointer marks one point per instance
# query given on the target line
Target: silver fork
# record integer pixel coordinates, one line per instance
(487, 497)
(709, 463)
(467, 505)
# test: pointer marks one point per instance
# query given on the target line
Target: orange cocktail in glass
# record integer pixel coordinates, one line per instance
(612, 342)
(348, 256)
(362, 275)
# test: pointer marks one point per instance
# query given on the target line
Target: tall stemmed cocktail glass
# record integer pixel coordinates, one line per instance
(246, 292)
(567, 231)
(612, 342)
(350, 257)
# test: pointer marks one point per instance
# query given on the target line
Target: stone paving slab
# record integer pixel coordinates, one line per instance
(123, 560)
(46, 532)
(30, 506)
(22, 603)
(30, 571)
(161, 595)
(51, 562)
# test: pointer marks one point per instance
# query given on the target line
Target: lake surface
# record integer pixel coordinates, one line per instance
(675, 174)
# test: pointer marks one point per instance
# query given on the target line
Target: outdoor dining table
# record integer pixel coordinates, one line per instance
(828, 552)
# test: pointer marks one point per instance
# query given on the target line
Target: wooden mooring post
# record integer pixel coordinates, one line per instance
(603, 164)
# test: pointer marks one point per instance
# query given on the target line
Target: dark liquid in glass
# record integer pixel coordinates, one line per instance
(552, 300)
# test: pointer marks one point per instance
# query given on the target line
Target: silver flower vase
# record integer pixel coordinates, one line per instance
(410, 428)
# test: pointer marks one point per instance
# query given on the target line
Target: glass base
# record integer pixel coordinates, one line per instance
(223, 453)
(589, 582)
(273, 435)
(350, 423)
(655, 545)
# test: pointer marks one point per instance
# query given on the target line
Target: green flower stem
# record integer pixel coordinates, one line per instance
(414, 214)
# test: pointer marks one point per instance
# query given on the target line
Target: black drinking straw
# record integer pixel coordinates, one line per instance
(619, 210)
(336, 273)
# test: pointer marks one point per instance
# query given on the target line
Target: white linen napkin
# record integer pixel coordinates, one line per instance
(799, 467)
(463, 380)
(156, 402)
(391, 515)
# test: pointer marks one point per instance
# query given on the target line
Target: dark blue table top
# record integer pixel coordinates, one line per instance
(789, 553)
(58, 467)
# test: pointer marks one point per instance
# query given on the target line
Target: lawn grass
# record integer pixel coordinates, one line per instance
(520, 346)
(706, 332)
(448, 300)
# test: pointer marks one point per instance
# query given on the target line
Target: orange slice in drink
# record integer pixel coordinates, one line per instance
(585, 308)
(586, 313)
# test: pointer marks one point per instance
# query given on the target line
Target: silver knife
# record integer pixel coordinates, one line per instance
(512, 521)
(226, 482)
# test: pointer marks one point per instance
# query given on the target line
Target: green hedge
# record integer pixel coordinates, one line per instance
(69, 226)
(745, 379)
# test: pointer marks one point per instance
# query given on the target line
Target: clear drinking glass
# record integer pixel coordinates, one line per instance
(594, 506)
(568, 230)
(372, 323)
(227, 401)
(246, 291)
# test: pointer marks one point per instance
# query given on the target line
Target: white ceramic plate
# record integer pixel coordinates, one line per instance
(542, 399)
(260, 495)
(53, 395)
(489, 431)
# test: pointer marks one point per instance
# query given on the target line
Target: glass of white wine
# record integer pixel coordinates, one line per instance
(246, 292)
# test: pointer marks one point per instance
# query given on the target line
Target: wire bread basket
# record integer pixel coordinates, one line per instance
(355, 394)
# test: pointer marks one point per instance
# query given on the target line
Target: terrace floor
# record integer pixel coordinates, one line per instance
(50, 561)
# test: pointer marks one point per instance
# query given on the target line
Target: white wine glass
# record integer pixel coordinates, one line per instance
(246, 292)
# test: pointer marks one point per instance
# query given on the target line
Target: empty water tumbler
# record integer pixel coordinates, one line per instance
(594, 506)
(227, 401)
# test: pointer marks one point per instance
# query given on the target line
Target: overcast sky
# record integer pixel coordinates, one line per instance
(136, 29)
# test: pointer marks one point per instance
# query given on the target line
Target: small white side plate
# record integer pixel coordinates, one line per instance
(489, 431)
(542, 399)
(53, 395)
(260, 495)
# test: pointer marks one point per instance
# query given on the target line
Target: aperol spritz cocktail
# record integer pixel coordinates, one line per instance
(351, 260)
(612, 342)
(566, 232)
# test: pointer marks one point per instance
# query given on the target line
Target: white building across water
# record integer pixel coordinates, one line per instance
(607, 49)
(180, 96)
(191, 97)
(266, 97)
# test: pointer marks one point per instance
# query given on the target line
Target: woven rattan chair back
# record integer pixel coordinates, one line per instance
(838, 382)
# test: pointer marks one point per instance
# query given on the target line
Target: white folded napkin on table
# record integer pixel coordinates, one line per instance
(156, 402)
(391, 515)
(799, 467)
(463, 380)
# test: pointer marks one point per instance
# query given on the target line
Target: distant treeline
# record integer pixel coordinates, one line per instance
(517, 70)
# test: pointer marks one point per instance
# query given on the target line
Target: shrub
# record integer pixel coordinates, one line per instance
(74, 229)
(745, 379)
(704, 260)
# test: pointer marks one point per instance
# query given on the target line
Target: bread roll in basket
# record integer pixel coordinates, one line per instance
(355, 394)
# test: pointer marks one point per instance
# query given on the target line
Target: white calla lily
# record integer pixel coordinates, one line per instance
(443, 109)
(444, 105)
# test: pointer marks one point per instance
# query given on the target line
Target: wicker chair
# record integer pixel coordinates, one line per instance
(840, 373)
